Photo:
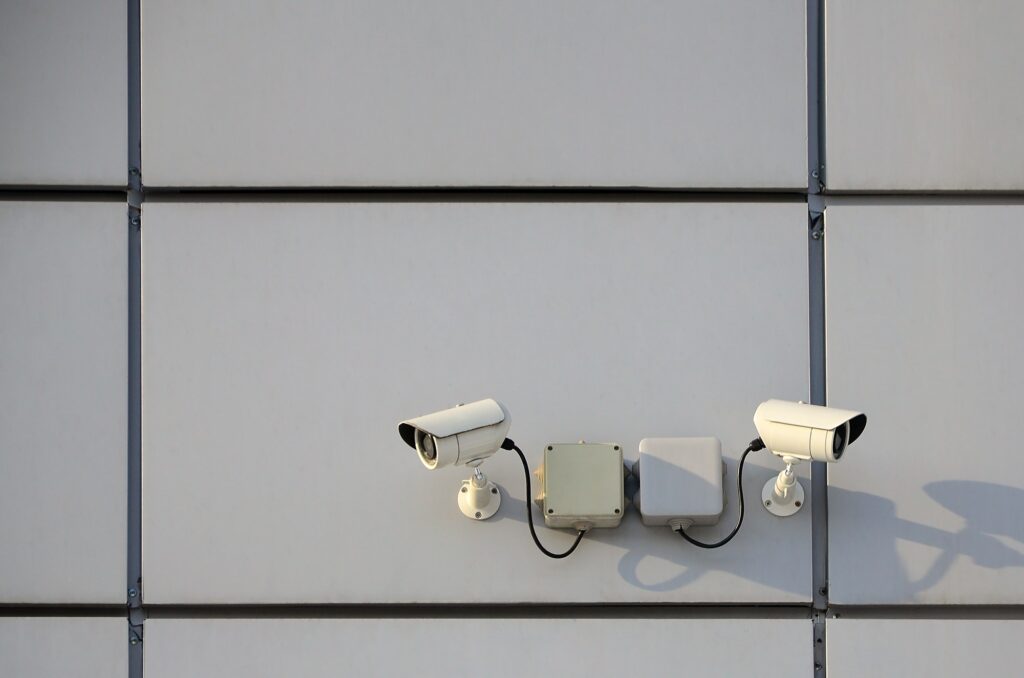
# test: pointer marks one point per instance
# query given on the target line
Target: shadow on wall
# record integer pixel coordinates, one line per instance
(663, 544)
(989, 510)
(660, 543)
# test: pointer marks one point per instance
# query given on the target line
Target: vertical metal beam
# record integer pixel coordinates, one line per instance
(134, 543)
(134, 104)
(816, 314)
(815, 96)
(135, 198)
(820, 667)
(819, 470)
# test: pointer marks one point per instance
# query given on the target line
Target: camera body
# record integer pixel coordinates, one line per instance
(464, 435)
(802, 432)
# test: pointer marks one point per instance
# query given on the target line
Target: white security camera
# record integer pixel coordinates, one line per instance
(800, 432)
(464, 435)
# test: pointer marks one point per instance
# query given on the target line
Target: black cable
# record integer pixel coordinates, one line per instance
(510, 445)
(755, 445)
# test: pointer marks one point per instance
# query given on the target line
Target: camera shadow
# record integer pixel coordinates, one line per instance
(991, 512)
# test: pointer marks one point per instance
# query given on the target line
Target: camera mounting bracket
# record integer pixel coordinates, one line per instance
(783, 495)
(479, 498)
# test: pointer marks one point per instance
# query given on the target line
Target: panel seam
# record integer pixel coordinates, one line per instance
(816, 186)
(135, 197)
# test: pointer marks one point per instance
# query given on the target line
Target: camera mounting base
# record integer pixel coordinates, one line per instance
(783, 495)
(479, 498)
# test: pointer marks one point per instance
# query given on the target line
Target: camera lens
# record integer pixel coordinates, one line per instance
(839, 441)
(427, 448)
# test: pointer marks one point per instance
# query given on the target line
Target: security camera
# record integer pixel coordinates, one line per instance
(464, 435)
(799, 432)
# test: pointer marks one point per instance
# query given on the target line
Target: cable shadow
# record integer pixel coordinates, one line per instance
(639, 542)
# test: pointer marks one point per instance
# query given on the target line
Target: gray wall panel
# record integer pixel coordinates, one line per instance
(64, 102)
(924, 647)
(924, 95)
(68, 647)
(283, 342)
(63, 402)
(461, 92)
(924, 335)
(233, 648)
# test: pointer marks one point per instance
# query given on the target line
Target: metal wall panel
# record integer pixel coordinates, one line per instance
(924, 647)
(924, 95)
(469, 93)
(283, 342)
(64, 107)
(63, 402)
(70, 647)
(230, 648)
(924, 326)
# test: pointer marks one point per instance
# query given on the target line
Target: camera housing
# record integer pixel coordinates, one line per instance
(464, 435)
(803, 432)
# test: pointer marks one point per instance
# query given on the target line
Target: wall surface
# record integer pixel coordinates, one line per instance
(237, 648)
(63, 405)
(925, 334)
(241, 241)
(922, 95)
(466, 93)
(924, 647)
(278, 361)
(63, 646)
(64, 108)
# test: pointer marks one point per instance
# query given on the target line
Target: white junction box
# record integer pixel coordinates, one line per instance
(582, 485)
(680, 481)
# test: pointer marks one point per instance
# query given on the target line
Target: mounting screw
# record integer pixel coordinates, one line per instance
(134, 221)
(817, 667)
(551, 510)
(817, 234)
(814, 173)
(618, 511)
(464, 489)
(494, 490)
(132, 592)
(134, 171)
(823, 591)
(550, 448)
